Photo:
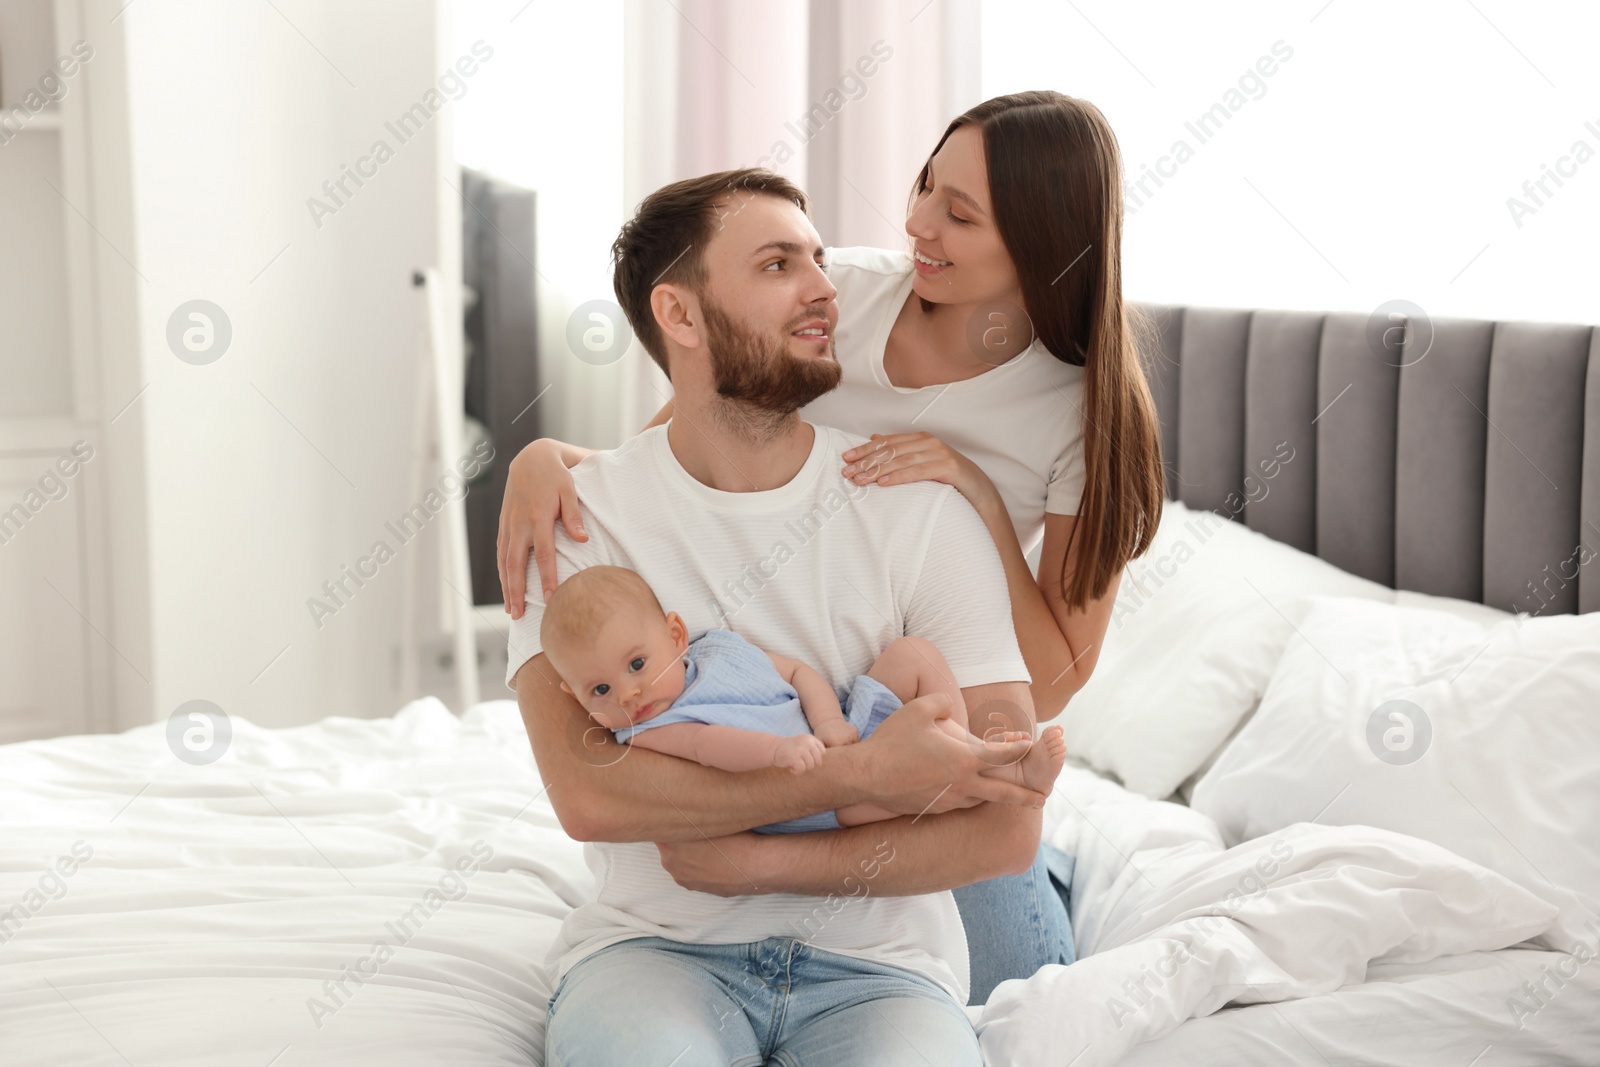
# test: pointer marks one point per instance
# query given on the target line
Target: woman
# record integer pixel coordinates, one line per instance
(996, 357)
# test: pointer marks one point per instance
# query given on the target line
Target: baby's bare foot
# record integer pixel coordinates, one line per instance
(1044, 760)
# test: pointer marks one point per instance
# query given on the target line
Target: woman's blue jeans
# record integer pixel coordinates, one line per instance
(1018, 923)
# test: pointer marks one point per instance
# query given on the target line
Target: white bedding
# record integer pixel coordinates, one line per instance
(1197, 627)
(218, 900)
(1297, 942)
(1481, 737)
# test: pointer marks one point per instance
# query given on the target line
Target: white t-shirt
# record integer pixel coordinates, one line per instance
(1020, 422)
(819, 569)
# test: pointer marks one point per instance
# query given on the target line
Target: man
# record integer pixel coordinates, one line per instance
(705, 942)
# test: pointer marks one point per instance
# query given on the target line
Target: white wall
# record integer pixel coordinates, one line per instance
(1376, 164)
(267, 470)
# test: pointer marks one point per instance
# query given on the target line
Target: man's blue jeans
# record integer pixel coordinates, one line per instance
(649, 1001)
(1018, 923)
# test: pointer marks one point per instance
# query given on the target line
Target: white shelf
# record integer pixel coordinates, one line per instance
(31, 434)
(43, 122)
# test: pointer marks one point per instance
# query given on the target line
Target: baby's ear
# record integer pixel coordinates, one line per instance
(680, 629)
(565, 688)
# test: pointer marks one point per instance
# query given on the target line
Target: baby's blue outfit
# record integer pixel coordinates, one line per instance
(730, 682)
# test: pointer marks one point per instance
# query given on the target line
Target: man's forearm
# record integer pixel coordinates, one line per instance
(904, 856)
(603, 790)
(933, 852)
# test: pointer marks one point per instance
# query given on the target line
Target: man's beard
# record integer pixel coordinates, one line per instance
(756, 371)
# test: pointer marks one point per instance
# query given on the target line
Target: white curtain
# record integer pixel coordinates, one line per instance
(845, 97)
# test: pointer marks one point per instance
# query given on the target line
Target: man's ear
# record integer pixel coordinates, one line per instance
(677, 312)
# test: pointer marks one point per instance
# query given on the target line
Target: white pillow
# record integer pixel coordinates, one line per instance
(1197, 627)
(1494, 754)
(1461, 609)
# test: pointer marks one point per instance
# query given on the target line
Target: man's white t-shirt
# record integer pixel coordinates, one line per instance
(1021, 422)
(818, 569)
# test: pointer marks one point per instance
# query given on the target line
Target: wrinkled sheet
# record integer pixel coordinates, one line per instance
(1355, 945)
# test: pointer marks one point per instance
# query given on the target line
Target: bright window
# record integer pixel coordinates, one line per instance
(1374, 162)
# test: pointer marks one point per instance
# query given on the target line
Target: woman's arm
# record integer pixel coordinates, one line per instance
(540, 493)
(661, 416)
(1059, 645)
(572, 455)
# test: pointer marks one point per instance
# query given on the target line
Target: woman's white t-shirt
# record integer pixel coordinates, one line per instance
(1020, 422)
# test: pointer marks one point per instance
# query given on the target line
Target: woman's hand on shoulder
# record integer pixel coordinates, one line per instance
(539, 492)
(892, 459)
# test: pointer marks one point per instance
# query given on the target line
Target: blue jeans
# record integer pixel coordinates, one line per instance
(650, 1001)
(1018, 923)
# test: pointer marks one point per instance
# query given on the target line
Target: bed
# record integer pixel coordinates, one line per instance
(1272, 867)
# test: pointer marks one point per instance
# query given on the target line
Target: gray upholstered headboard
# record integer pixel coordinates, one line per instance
(1457, 457)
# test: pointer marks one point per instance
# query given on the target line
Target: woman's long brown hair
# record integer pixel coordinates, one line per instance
(1055, 179)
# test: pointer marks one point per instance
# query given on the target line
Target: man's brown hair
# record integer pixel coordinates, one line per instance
(665, 241)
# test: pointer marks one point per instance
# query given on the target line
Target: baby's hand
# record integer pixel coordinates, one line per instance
(799, 753)
(834, 734)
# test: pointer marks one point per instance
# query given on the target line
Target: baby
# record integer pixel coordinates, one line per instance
(722, 702)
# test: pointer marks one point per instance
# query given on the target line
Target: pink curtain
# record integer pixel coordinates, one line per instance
(924, 64)
(845, 97)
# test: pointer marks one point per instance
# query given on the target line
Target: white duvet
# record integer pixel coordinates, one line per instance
(219, 900)
(1171, 926)
(382, 892)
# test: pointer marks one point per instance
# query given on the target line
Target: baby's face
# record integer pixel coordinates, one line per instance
(632, 671)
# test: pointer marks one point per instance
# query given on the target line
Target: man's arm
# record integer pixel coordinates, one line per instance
(961, 605)
(930, 852)
(602, 790)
